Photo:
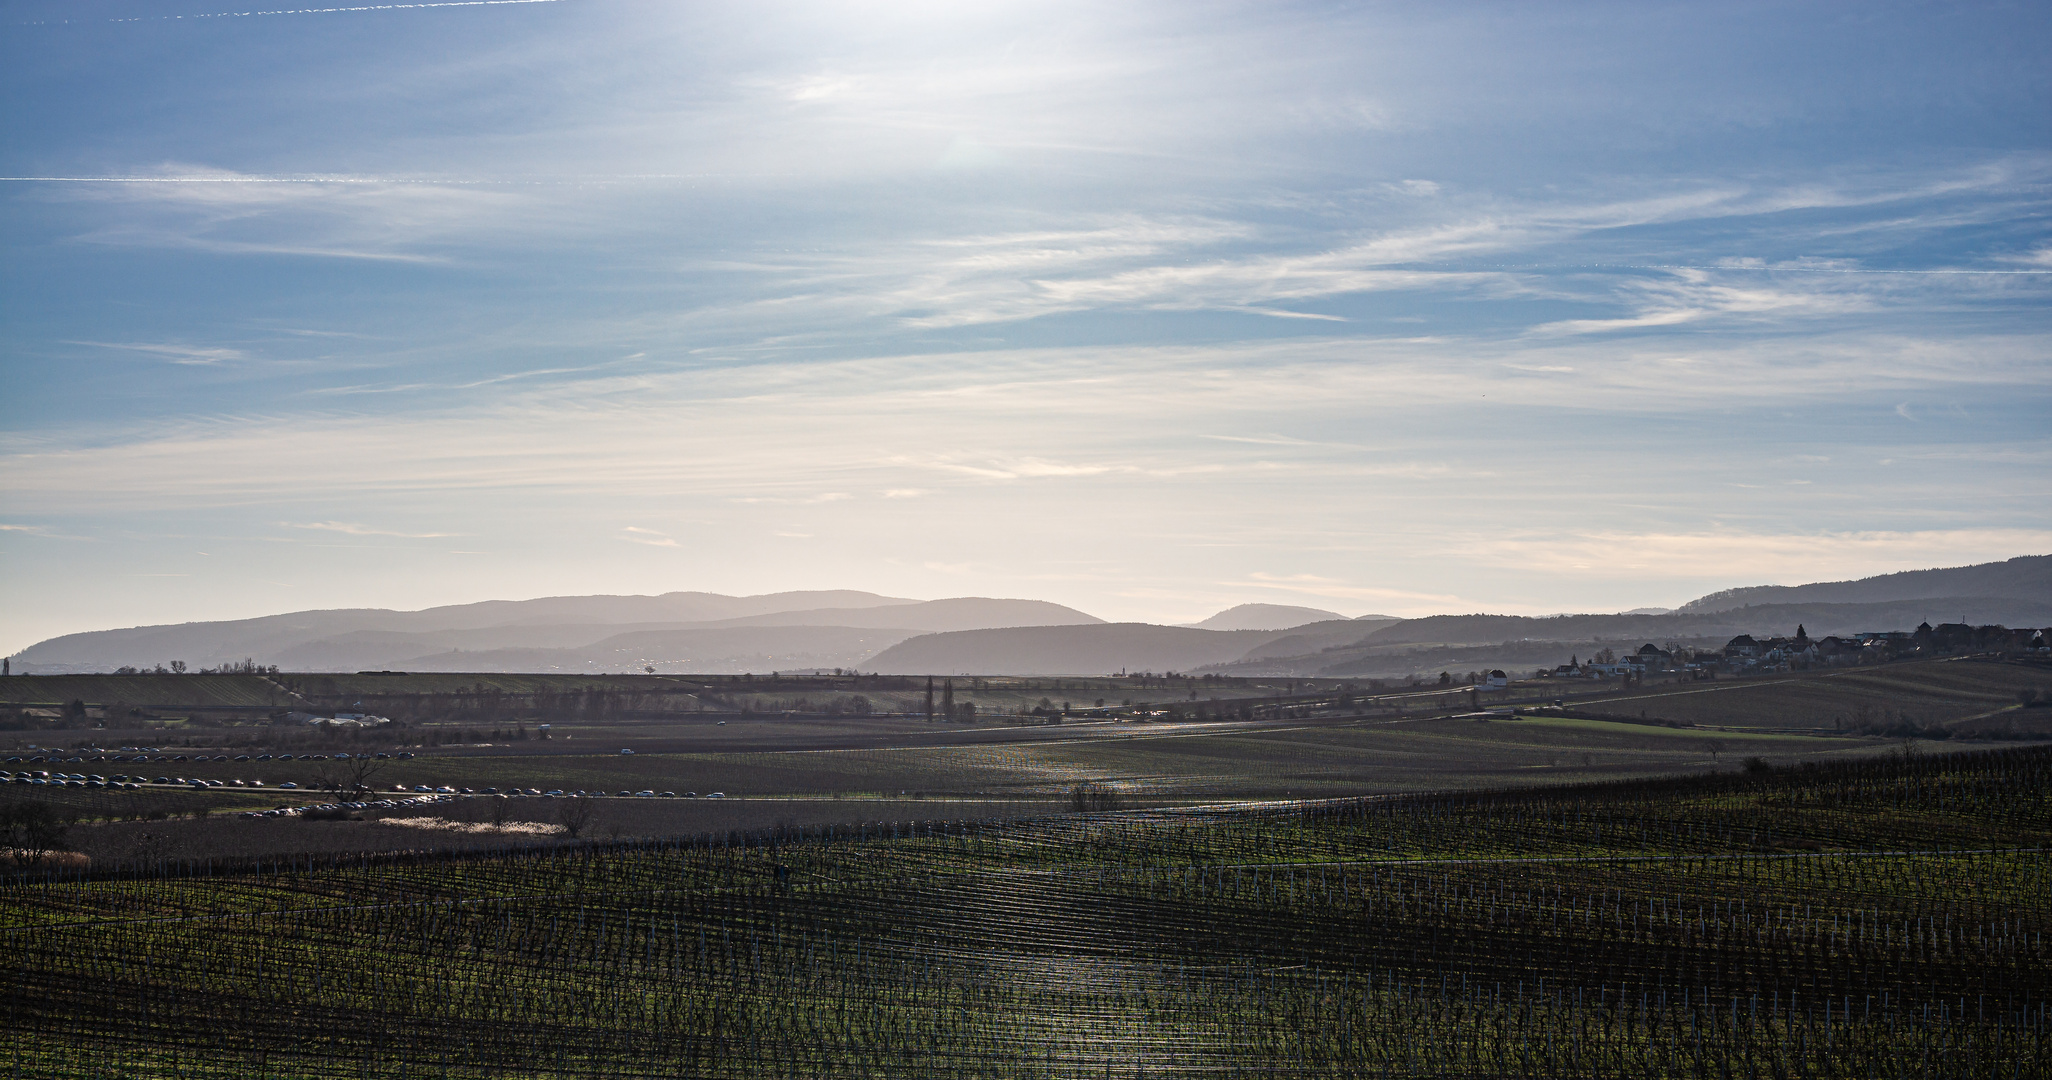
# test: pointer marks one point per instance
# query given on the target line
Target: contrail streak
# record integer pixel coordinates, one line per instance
(426, 181)
(1745, 269)
(1798, 269)
(299, 11)
(260, 179)
(1824, 269)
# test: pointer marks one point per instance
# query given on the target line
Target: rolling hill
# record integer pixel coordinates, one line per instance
(1266, 617)
(795, 631)
(2024, 577)
(675, 632)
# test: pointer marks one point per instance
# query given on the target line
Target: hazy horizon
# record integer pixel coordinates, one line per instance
(1147, 311)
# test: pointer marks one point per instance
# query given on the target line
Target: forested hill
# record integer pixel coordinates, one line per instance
(1819, 619)
(2027, 577)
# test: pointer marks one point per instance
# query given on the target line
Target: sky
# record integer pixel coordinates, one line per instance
(1147, 308)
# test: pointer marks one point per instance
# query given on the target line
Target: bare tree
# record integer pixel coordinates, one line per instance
(575, 814)
(30, 831)
(351, 776)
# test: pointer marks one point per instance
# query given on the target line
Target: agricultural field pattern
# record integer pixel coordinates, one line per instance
(1680, 881)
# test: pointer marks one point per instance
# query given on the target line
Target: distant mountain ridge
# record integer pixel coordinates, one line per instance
(570, 633)
(2024, 577)
(1265, 617)
(796, 631)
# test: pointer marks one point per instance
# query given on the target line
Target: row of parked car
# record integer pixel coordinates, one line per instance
(159, 756)
(125, 783)
(558, 793)
(45, 778)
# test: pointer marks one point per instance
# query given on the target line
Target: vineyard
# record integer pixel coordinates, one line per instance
(1878, 917)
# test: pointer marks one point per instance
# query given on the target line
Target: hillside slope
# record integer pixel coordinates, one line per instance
(932, 616)
(1514, 642)
(1819, 619)
(1266, 617)
(677, 631)
(2027, 577)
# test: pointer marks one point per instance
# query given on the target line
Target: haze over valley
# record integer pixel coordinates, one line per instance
(685, 633)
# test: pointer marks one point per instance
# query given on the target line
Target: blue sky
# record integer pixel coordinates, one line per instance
(1149, 308)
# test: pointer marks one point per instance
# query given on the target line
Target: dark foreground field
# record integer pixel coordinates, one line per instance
(1874, 917)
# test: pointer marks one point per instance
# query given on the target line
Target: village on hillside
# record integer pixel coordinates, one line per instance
(1747, 655)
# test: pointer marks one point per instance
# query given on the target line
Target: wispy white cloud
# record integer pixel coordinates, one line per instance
(359, 218)
(353, 529)
(1218, 263)
(1026, 468)
(1690, 296)
(199, 355)
(636, 535)
(813, 436)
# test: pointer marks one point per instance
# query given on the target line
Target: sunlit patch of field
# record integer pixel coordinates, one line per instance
(1386, 756)
(476, 828)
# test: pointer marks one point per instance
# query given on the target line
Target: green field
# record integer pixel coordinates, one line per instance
(1871, 917)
